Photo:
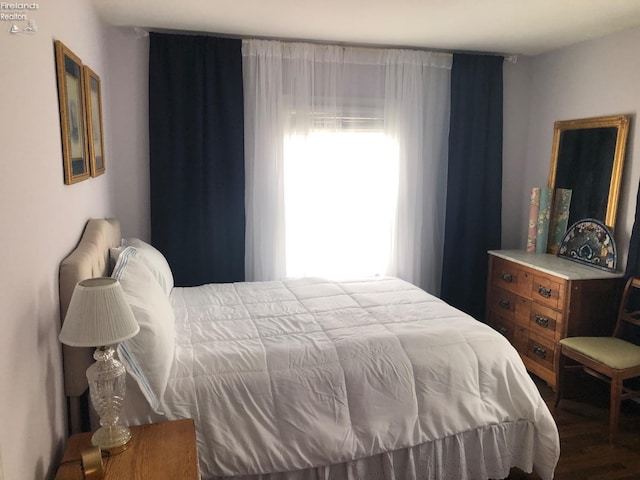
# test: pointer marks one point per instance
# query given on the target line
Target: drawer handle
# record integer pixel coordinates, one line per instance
(544, 291)
(503, 330)
(507, 277)
(539, 351)
(504, 304)
(542, 321)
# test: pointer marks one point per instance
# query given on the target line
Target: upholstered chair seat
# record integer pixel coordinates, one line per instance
(613, 352)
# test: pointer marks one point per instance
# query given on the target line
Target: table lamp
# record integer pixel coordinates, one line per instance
(99, 316)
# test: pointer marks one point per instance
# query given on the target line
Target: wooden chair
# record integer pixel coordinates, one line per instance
(611, 359)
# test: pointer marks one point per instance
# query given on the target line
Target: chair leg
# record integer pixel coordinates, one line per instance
(614, 414)
(560, 363)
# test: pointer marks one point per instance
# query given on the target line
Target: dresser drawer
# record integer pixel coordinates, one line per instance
(503, 302)
(541, 350)
(520, 338)
(544, 321)
(547, 291)
(509, 276)
(501, 324)
(517, 335)
(509, 305)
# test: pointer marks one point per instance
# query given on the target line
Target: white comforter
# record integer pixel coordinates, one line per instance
(286, 375)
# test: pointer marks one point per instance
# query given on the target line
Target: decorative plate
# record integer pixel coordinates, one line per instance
(590, 241)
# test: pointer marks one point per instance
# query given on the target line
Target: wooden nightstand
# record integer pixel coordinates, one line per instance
(157, 451)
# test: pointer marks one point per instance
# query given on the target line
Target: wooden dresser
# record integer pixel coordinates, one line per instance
(537, 299)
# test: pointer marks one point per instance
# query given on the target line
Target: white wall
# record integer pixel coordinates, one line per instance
(589, 79)
(517, 100)
(41, 218)
(129, 102)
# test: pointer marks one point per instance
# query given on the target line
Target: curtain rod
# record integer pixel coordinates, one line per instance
(142, 32)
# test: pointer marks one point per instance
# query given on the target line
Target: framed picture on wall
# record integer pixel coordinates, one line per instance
(93, 95)
(72, 114)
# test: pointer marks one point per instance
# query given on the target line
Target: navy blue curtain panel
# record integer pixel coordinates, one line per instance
(633, 259)
(632, 333)
(196, 148)
(474, 184)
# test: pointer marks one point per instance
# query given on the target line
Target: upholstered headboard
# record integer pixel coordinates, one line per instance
(89, 259)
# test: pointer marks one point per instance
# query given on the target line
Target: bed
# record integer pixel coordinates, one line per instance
(310, 378)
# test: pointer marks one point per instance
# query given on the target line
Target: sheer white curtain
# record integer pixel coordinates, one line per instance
(345, 154)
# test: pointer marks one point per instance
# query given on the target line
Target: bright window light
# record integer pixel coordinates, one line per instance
(340, 202)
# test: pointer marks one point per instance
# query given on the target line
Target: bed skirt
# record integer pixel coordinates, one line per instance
(481, 454)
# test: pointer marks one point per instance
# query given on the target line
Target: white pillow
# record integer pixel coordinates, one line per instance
(148, 356)
(154, 260)
(114, 253)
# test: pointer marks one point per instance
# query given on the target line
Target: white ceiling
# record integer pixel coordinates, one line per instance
(525, 27)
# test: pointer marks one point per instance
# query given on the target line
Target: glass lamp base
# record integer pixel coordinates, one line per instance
(112, 439)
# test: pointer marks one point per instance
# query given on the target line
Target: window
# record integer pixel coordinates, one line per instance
(345, 161)
(340, 202)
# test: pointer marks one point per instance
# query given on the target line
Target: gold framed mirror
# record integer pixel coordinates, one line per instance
(587, 156)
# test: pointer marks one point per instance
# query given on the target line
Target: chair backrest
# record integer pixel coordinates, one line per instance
(628, 322)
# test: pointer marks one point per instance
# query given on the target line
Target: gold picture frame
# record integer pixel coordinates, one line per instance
(71, 102)
(95, 131)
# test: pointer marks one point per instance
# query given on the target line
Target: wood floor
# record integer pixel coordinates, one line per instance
(583, 423)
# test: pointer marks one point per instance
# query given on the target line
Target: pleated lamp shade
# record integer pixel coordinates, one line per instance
(98, 315)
